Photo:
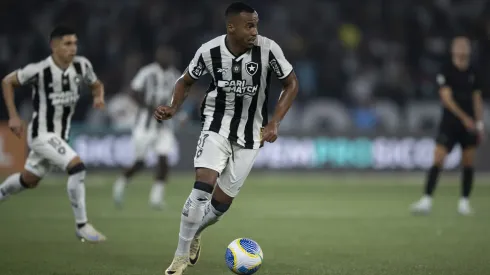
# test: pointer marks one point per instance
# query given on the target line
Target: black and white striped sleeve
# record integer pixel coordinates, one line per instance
(28, 73)
(139, 80)
(197, 67)
(89, 74)
(278, 62)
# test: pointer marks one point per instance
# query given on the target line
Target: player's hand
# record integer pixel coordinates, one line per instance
(164, 113)
(16, 126)
(270, 132)
(469, 123)
(99, 102)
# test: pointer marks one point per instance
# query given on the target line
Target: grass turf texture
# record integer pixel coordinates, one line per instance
(305, 223)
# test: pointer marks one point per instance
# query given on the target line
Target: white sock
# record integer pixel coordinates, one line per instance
(123, 180)
(211, 217)
(11, 186)
(119, 187)
(192, 215)
(157, 192)
(76, 193)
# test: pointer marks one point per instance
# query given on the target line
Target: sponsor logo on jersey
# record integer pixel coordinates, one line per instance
(275, 67)
(65, 98)
(239, 87)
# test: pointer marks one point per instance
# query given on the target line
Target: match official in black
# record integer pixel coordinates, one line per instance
(461, 123)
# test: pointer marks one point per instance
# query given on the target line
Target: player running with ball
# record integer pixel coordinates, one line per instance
(234, 120)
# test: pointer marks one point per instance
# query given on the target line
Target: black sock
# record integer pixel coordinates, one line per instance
(467, 181)
(80, 225)
(431, 183)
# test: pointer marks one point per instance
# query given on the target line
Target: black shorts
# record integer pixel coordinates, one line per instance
(450, 135)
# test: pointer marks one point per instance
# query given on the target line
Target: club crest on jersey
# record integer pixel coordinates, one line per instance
(78, 79)
(251, 67)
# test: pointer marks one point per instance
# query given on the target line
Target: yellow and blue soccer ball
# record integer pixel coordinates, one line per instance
(244, 256)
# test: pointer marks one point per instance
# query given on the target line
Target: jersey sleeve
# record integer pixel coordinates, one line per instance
(138, 82)
(278, 62)
(90, 77)
(197, 67)
(443, 78)
(28, 73)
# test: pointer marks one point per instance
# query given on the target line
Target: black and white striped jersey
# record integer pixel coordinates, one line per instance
(235, 105)
(156, 85)
(55, 93)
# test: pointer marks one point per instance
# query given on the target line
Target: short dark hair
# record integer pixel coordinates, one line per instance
(61, 31)
(237, 8)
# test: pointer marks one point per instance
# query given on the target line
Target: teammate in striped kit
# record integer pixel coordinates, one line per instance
(55, 83)
(235, 121)
(151, 87)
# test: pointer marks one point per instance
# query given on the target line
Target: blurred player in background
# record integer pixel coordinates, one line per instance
(235, 121)
(152, 86)
(55, 83)
(460, 92)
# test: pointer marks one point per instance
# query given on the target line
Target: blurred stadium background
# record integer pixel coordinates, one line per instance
(330, 196)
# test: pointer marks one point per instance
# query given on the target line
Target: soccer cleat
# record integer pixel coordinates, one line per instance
(464, 207)
(90, 234)
(195, 251)
(423, 206)
(178, 265)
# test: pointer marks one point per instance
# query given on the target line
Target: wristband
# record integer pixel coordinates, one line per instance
(479, 125)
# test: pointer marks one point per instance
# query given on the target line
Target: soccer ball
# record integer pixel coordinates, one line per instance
(244, 256)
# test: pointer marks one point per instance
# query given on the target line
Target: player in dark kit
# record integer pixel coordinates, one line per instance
(460, 92)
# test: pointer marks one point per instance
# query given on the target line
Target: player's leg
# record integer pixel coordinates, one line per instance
(229, 185)
(163, 146)
(34, 170)
(141, 142)
(158, 189)
(211, 158)
(469, 144)
(58, 152)
(444, 144)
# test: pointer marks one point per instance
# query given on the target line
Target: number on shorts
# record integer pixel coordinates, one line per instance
(56, 143)
(200, 144)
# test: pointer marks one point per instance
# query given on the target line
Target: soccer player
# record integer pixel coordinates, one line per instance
(152, 86)
(234, 120)
(460, 92)
(55, 83)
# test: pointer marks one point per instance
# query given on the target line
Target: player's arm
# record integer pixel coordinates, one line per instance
(478, 107)
(17, 78)
(181, 90)
(137, 87)
(446, 95)
(95, 85)
(180, 93)
(9, 83)
(284, 72)
(98, 93)
(447, 99)
(288, 94)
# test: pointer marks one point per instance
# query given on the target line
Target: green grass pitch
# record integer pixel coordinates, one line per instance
(305, 223)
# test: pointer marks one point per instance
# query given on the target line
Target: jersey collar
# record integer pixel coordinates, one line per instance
(237, 58)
